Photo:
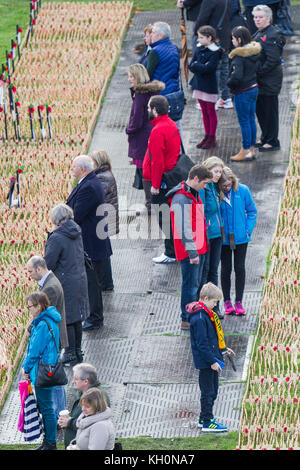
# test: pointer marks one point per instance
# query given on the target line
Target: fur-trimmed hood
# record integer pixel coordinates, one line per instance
(150, 87)
(253, 48)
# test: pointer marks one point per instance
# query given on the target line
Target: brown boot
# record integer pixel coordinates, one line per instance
(244, 154)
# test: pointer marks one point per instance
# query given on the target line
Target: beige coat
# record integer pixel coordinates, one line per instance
(95, 432)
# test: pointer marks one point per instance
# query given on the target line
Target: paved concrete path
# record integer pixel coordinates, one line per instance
(143, 357)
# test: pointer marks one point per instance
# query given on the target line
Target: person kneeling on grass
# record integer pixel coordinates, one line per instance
(208, 348)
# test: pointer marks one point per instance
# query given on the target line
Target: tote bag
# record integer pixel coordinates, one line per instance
(32, 426)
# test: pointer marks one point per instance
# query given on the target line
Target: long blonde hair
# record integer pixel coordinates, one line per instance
(213, 161)
(100, 157)
(227, 174)
(139, 72)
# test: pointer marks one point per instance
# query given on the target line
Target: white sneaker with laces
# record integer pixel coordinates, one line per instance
(163, 259)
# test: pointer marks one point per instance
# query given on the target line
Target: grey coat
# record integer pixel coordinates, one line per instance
(54, 291)
(64, 255)
(95, 432)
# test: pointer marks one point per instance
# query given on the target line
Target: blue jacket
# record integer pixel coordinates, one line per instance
(239, 216)
(204, 340)
(168, 67)
(41, 344)
(212, 211)
(204, 66)
(86, 200)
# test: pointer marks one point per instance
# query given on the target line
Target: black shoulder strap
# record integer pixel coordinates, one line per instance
(51, 331)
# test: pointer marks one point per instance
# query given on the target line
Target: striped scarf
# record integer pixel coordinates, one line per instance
(217, 324)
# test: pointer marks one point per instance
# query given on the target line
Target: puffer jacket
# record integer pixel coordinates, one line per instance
(244, 60)
(269, 70)
(41, 344)
(168, 67)
(95, 432)
(110, 189)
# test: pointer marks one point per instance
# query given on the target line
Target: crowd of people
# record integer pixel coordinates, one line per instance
(207, 218)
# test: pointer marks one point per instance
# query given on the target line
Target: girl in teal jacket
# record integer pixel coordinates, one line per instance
(239, 215)
(41, 346)
(214, 224)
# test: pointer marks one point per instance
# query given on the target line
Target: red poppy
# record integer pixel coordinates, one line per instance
(264, 38)
(13, 89)
(17, 103)
(49, 109)
(1, 109)
(31, 110)
(9, 56)
(20, 30)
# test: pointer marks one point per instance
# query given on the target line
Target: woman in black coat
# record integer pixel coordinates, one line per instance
(269, 77)
(64, 256)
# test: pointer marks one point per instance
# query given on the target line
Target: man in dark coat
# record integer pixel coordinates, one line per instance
(192, 11)
(86, 200)
(50, 285)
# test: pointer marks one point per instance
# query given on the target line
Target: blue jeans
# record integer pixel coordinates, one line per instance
(191, 278)
(245, 105)
(209, 384)
(45, 405)
(59, 399)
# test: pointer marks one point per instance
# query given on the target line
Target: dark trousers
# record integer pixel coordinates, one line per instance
(74, 335)
(106, 280)
(211, 265)
(250, 22)
(162, 207)
(94, 277)
(267, 113)
(239, 256)
(209, 384)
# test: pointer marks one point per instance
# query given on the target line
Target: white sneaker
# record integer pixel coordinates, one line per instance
(163, 259)
(197, 105)
(219, 104)
(227, 104)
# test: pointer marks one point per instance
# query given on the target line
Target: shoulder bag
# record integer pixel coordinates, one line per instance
(49, 375)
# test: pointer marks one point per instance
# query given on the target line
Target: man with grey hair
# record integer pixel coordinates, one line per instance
(84, 377)
(163, 61)
(49, 284)
(85, 200)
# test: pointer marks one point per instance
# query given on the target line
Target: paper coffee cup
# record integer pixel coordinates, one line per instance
(64, 413)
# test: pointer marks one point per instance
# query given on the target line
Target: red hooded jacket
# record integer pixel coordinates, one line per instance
(164, 146)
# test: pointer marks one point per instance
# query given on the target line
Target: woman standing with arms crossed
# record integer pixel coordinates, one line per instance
(239, 215)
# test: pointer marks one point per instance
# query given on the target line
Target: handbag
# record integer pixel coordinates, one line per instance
(51, 375)
(32, 426)
(179, 172)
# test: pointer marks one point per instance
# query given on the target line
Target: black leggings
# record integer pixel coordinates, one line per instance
(239, 255)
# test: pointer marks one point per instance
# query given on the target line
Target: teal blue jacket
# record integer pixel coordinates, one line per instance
(41, 344)
(212, 210)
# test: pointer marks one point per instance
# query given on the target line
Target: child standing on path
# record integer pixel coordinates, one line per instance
(208, 348)
(204, 83)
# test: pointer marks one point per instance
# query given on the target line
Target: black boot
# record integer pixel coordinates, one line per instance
(69, 358)
(79, 355)
(47, 446)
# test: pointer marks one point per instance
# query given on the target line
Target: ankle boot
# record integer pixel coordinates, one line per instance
(210, 142)
(46, 446)
(244, 154)
(79, 355)
(199, 145)
(69, 358)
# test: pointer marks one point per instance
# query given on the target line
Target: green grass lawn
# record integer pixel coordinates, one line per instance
(226, 441)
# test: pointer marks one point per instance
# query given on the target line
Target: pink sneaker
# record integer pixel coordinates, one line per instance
(239, 309)
(228, 308)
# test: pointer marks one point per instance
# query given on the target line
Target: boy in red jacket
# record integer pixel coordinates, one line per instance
(189, 233)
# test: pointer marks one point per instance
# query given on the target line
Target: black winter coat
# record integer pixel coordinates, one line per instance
(204, 65)
(212, 13)
(192, 9)
(243, 67)
(269, 71)
(109, 186)
(64, 257)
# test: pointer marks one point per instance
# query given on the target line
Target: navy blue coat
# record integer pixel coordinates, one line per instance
(204, 66)
(204, 340)
(85, 199)
(168, 67)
